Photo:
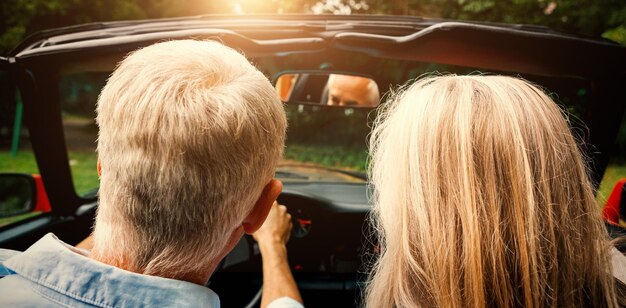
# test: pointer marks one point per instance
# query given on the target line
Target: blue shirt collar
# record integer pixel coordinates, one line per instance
(67, 270)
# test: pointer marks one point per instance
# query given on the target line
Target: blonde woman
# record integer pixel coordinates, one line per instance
(482, 198)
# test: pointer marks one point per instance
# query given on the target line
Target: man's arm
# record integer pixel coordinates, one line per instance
(278, 281)
(86, 244)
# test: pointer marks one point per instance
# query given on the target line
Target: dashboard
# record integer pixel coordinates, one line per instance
(329, 230)
(329, 222)
(328, 251)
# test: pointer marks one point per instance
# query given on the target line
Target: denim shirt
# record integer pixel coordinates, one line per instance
(52, 273)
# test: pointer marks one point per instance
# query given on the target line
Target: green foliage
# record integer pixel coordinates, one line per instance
(84, 171)
(24, 162)
(578, 16)
(20, 18)
(614, 173)
(347, 158)
(328, 136)
(617, 34)
(5, 221)
(477, 6)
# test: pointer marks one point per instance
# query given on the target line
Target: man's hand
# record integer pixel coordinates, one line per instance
(272, 237)
(276, 229)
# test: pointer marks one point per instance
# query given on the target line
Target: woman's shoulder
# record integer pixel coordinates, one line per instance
(619, 265)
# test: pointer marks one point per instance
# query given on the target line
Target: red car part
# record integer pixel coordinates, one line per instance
(42, 202)
(615, 205)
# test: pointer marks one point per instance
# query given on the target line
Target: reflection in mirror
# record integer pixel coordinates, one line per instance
(328, 89)
(353, 91)
(16, 194)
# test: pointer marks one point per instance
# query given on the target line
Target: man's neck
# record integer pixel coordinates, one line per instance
(200, 277)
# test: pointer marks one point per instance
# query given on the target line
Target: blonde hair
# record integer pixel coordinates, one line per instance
(482, 198)
(190, 133)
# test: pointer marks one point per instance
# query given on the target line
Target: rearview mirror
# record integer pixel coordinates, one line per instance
(17, 194)
(327, 89)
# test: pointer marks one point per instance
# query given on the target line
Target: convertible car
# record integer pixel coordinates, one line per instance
(59, 73)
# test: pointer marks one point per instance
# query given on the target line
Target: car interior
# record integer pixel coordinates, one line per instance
(60, 72)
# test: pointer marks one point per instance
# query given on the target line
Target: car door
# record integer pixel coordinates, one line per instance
(18, 168)
(26, 213)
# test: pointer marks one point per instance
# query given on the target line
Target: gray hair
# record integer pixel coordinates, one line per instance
(190, 133)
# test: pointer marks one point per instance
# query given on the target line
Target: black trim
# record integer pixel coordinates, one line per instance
(603, 119)
(42, 115)
(494, 48)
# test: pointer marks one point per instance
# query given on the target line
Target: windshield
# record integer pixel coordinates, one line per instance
(324, 143)
(325, 136)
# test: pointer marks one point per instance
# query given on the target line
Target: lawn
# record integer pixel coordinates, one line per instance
(329, 156)
(82, 164)
(9, 220)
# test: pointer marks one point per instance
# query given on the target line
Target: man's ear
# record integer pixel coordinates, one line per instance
(262, 207)
(99, 168)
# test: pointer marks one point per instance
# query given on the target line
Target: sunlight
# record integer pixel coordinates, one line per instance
(237, 9)
(339, 7)
(241, 7)
(336, 7)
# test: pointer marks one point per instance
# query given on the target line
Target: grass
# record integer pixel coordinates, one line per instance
(24, 162)
(84, 171)
(82, 164)
(613, 173)
(329, 156)
(9, 220)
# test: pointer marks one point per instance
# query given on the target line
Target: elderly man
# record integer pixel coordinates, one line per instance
(352, 91)
(190, 135)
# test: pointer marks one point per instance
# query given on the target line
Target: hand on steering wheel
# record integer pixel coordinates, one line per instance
(276, 229)
(278, 282)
